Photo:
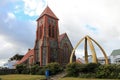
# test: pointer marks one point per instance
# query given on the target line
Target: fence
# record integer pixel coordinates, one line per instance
(7, 71)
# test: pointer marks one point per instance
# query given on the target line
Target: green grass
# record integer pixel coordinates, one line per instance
(71, 78)
(38, 77)
(21, 77)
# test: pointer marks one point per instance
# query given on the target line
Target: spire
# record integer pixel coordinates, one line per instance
(48, 12)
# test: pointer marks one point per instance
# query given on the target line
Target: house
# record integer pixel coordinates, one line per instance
(10, 64)
(115, 56)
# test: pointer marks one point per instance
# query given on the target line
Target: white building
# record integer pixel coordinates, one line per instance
(115, 56)
(101, 60)
(10, 64)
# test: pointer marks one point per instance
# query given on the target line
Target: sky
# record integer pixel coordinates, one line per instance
(97, 18)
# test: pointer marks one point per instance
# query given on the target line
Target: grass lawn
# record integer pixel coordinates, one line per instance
(21, 77)
(71, 78)
(38, 77)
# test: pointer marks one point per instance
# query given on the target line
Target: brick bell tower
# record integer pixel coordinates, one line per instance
(46, 44)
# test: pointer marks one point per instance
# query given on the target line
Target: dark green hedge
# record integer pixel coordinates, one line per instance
(7, 71)
(54, 68)
(93, 70)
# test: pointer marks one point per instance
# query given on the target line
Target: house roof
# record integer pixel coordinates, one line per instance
(26, 56)
(79, 60)
(115, 52)
(48, 12)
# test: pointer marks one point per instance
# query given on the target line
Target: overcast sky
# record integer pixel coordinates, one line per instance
(97, 18)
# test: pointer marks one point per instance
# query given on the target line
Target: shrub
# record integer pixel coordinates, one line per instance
(93, 70)
(41, 71)
(7, 71)
(22, 69)
(54, 68)
(35, 69)
(91, 67)
(25, 71)
(73, 69)
(108, 71)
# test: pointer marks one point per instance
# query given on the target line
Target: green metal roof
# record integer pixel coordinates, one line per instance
(115, 52)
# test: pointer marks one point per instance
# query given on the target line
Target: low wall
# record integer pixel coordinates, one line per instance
(7, 71)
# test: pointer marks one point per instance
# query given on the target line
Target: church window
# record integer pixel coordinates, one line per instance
(44, 55)
(49, 31)
(66, 52)
(41, 31)
(53, 32)
(37, 55)
(49, 20)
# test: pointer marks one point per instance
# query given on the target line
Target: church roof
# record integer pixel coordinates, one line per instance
(61, 36)
(26, 56)
(115, 52)
(48, 12)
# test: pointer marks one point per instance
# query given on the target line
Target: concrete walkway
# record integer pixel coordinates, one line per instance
(58, 76)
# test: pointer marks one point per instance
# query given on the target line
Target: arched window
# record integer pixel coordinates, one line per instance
(41, 29)
(49, 30)
(37, 33)
(66, 53)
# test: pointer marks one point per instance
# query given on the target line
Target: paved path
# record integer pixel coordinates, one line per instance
(58, 76)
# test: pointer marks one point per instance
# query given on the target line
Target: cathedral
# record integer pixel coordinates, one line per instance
(49, 45)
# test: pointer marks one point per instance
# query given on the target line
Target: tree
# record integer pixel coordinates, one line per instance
(16, 57)
(35, 69)
(91, 67)
(73, 69)
(22, 69)
(54, 68)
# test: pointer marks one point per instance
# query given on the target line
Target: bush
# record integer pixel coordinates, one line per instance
(108, 71)
(93, 70)
(22, 69)
(91, 67)
(54, 68)
(7, 71)
(73, 69)
(35, 69)
(41, 71)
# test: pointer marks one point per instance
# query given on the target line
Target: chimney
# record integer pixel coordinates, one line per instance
(29, 49)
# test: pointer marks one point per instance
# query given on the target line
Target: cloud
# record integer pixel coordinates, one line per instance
(101, 15)
(10, 16)
(2, 61)
(16, 35)
(97, 18)
(33, 7)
